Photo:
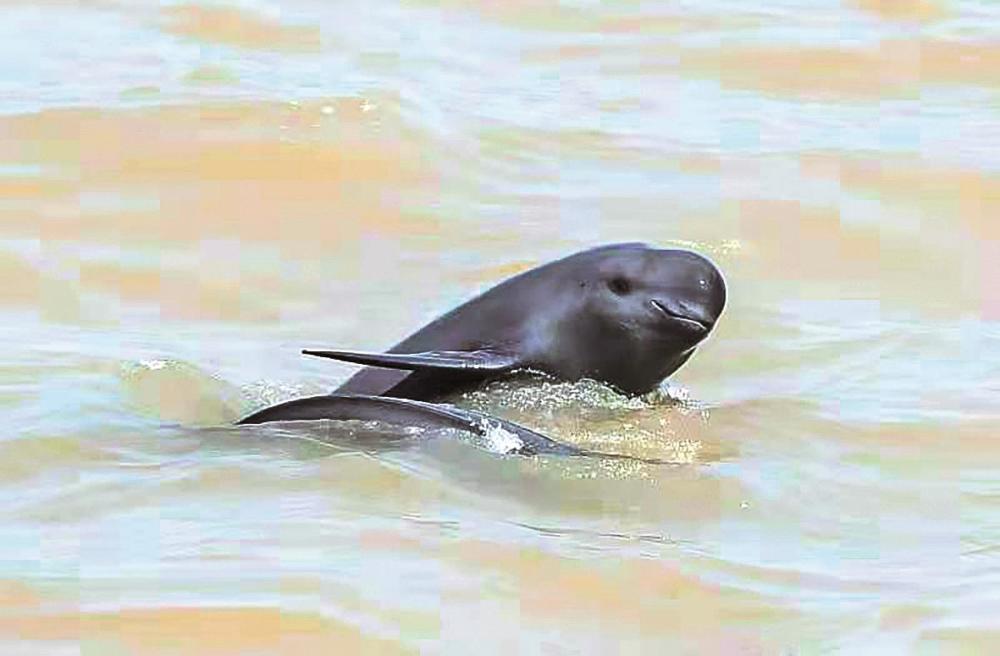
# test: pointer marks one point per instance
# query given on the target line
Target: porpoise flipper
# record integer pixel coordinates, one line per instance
(483, 361)
(421, 414)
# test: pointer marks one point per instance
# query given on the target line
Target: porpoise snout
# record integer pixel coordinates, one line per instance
(690, 315)
(696, 289)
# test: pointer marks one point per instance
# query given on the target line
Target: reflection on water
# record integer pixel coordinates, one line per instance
(235, 27)
(191, 193)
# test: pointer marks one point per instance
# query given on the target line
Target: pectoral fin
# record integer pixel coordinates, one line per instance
(481, 361)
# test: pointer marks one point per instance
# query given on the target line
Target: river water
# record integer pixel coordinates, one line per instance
(190, 193)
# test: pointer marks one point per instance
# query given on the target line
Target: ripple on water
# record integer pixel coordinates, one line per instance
(178, 392)
(241, 28)
(664, 424)
(189, 193)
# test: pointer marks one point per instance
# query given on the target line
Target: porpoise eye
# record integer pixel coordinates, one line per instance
(620, 285)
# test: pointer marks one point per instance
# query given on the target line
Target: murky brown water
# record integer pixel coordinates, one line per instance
(189, 193)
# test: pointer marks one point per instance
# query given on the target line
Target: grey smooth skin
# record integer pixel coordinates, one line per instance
(628, 315)
(422, 415)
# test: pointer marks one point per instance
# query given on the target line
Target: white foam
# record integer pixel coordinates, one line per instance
(499, 439)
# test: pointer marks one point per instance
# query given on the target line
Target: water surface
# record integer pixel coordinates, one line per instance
(191, 192)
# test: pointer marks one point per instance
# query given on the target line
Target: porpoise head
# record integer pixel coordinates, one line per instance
(641, 311)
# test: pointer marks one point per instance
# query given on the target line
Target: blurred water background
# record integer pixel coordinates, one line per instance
(191, 192)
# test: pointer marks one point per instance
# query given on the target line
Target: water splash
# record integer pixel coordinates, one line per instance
(665, 424)
(177, 392)
(264, 393)
(498, 439)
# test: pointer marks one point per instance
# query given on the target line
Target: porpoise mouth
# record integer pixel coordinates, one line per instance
(688, 322)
